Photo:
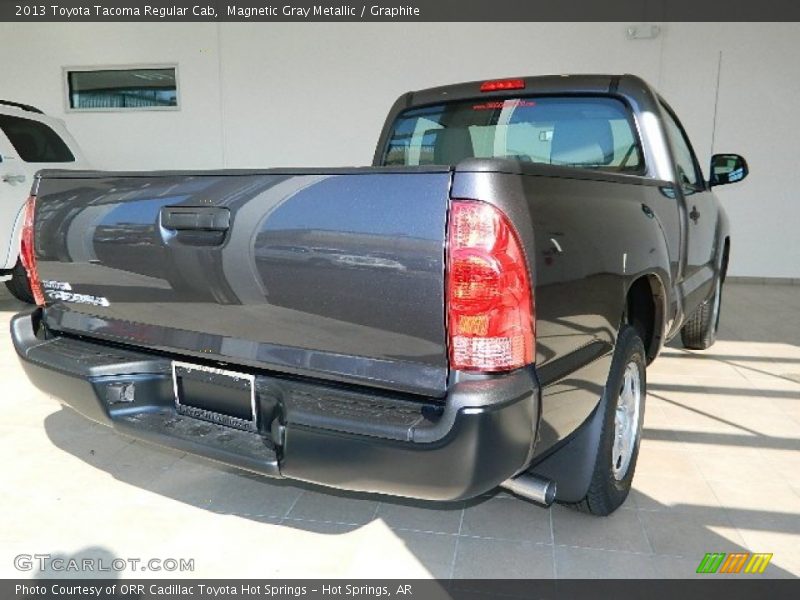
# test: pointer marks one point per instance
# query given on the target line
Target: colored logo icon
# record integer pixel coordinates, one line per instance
(733, 563)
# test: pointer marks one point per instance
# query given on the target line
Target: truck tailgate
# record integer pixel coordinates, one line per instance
(335, 274)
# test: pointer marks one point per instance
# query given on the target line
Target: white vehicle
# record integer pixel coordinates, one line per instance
(29, 141)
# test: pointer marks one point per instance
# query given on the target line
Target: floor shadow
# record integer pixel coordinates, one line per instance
(10, 304)
(94, 562)
(737, 361)
(221, 484)
(59, 427)
(760, 313)
(724, 439)
(727, 391)
(728, 358)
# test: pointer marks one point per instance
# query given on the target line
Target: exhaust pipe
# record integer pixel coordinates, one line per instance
(532, 487)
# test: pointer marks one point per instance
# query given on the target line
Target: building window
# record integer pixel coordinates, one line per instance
(122, 88)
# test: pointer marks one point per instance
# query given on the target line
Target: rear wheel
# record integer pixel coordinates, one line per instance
(18, 284)
(623, 403)
(700, 330)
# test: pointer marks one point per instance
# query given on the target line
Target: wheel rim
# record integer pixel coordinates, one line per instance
(626, 420)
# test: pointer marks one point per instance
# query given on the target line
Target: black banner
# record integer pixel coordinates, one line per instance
(399, 10)
(739, 588)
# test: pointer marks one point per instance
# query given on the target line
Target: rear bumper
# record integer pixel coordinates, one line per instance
(360, 440)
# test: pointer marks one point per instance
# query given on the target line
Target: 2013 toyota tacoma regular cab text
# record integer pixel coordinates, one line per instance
(475, 310)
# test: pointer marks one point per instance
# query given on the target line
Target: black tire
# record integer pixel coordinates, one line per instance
(609, 487)
(18, 284)
(700, 330)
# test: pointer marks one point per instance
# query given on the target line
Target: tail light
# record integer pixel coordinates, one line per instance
(27, 253)
(489, 303)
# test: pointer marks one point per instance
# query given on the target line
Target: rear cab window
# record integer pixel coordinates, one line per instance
(594, 132)
(34, 141)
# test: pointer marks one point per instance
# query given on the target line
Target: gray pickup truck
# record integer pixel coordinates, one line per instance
(474, 310)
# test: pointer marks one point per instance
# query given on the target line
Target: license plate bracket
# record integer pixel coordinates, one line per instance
(217, 395)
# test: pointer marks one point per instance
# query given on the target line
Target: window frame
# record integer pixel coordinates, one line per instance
(630, 114)
(670, 114)
(65, 72)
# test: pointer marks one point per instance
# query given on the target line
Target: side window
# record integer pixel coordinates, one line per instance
(685, 162)
(35, 142)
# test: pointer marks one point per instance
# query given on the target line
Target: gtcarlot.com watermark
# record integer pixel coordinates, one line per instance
(49, 563)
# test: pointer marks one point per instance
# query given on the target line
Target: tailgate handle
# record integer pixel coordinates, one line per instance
(195, 218)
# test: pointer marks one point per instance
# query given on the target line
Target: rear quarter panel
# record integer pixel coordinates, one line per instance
(587, 238)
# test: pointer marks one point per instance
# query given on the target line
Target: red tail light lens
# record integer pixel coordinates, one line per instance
(489, 302)
(27, 253)
(500, 85)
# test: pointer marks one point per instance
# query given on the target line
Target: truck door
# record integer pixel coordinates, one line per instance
(699, 216)
(14, 185)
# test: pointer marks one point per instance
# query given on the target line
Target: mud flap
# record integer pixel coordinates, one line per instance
(571, 465)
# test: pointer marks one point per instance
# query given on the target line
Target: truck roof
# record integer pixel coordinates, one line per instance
(637, 93)
(539, 84)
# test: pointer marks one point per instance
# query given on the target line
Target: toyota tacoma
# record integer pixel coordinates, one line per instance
(474, 310)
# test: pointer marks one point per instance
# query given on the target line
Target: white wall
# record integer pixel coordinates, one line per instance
(33, 56)
(315, 94)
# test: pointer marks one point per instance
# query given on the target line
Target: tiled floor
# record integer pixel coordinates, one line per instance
(719, 471)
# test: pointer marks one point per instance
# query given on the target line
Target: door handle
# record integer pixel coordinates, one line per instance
(196, 218)
(13, 179)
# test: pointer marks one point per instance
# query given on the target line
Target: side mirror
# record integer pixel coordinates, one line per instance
(727, 168)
